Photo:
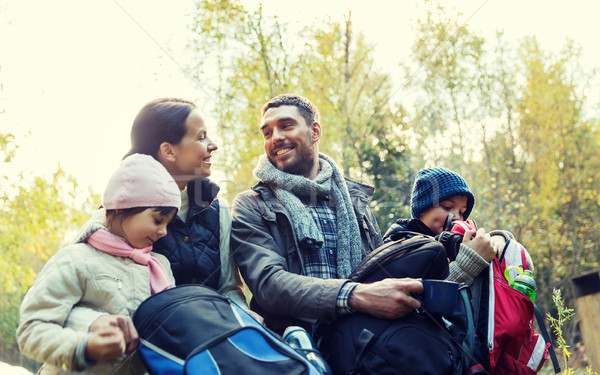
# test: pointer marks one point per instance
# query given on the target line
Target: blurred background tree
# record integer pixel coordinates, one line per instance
(37, 216)
(254, 58)
(514, 124)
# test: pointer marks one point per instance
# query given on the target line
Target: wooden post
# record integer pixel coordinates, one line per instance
(587, 304)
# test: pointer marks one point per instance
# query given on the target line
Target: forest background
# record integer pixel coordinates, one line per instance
(516, 121)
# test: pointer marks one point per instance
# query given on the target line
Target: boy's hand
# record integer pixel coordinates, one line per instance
(482, 243)
(386, 299)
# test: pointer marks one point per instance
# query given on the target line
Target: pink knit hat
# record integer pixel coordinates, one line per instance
(141, 181)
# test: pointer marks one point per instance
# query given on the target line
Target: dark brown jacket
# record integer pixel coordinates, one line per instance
(266, 250)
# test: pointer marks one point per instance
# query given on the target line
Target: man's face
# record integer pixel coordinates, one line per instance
(290, 143)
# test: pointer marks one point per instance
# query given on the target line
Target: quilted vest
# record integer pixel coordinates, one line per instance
(192, 246)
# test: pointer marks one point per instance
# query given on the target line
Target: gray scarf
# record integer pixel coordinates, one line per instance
(290, 188)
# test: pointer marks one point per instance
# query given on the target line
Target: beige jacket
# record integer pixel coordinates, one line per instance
(80, 276)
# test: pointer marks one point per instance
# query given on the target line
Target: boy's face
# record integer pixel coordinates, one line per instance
(435, 217)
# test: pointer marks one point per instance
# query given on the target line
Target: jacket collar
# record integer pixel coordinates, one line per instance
(93, 224)
(201, 192)
(408, 225)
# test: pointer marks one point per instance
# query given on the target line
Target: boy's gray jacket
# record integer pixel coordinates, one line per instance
(270, 260)
(79, 276)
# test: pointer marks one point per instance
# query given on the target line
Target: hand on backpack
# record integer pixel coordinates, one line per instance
(124, 323)
(256, 317)
(106, 344)
(386, 299)
(482, 243)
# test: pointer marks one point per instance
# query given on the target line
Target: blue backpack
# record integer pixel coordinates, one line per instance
(191, 329)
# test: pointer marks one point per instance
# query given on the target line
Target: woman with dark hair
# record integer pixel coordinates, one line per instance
(173, 131)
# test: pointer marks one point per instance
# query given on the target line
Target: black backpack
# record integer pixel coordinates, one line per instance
(420, 343)
(192, 329)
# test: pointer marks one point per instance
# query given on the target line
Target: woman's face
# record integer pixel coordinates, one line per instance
(193, 153)
(435, 217)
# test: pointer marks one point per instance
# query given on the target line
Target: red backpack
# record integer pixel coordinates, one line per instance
(514, 346)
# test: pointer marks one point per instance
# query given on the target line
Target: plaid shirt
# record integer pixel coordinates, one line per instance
(322, 262)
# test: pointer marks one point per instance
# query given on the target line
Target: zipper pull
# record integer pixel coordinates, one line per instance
(119, 284)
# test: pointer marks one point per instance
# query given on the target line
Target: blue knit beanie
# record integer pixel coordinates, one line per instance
(434, 185)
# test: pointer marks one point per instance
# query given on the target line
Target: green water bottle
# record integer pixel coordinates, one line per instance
(525, 284)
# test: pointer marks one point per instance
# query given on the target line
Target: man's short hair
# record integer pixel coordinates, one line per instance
(309, 111)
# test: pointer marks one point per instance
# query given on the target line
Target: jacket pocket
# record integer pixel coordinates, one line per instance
(111, 291)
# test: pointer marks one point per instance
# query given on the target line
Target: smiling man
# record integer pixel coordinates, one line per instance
(301, 230)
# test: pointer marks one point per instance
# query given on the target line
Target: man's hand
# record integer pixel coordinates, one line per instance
(106, 344)
(482, 243)
(387, 299)
(124, 323)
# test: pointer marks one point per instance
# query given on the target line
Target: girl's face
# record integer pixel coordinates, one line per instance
(144, 228)
(435, 217)
(193, 153)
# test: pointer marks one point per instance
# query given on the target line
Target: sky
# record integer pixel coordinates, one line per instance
(74, 73)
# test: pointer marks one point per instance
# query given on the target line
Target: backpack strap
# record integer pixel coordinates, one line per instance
(468, 345)
(476, 291)
(546, 336)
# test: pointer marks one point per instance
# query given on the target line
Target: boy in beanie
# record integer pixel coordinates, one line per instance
(438, 193)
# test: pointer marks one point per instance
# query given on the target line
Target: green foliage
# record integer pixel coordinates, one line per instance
(35, 221)
(329, 64)
(563, 315)
(513, 123)
(7, 146)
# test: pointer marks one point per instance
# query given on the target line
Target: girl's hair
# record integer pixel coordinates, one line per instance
(123, 214)
(161, 120)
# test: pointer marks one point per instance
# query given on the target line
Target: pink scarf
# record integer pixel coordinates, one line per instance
(107, 242)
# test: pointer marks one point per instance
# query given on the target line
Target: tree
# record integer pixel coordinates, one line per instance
(560, 147)
(247, 53)
(331, 65)
(36, 219)
(446, 60)
(532, 155)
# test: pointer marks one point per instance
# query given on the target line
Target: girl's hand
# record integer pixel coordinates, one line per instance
(106, 344)
(124, 323)
(482, 243)
(256, 316)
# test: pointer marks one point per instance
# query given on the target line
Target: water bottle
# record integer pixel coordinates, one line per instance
(525, 284)
(300, 340)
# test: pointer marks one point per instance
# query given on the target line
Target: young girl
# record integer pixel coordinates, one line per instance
(109, 269)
